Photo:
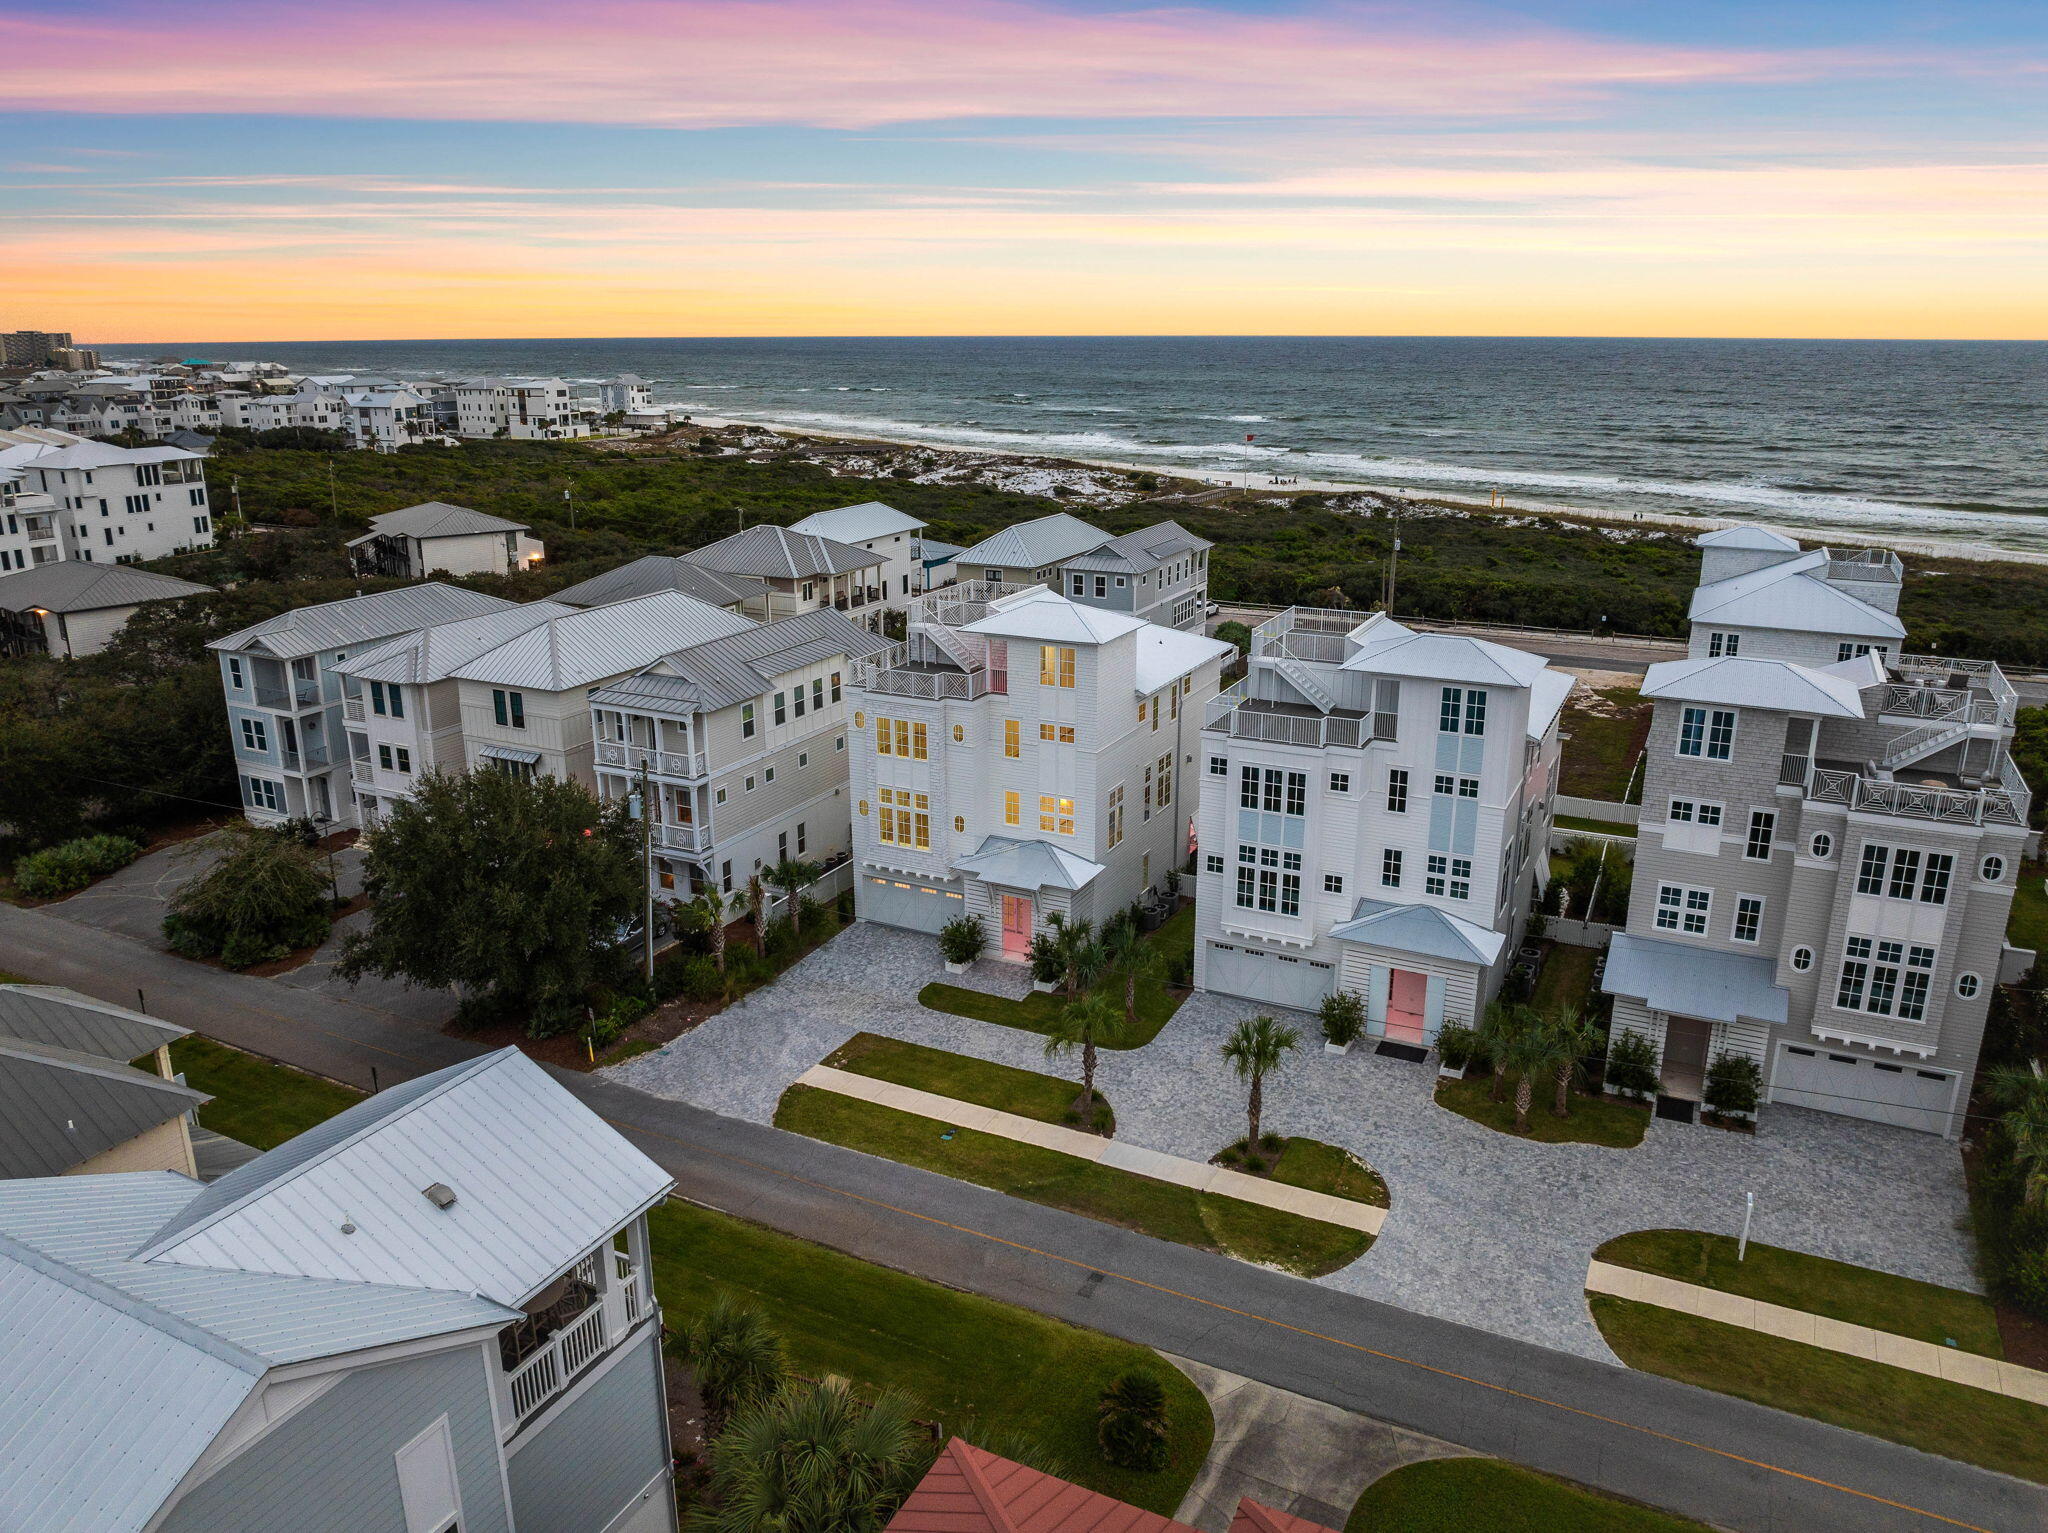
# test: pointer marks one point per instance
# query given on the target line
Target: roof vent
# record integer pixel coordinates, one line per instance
(441, 1195)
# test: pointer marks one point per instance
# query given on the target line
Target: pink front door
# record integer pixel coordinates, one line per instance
(1016, 928)
(1407, 998)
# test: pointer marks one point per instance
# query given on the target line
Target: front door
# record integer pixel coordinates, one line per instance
(1685, 1057)
(1016, 928)
(1407, 1003)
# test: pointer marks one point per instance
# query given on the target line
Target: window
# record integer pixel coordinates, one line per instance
(1448, 876)
(1143, 707)
(959, 734)
(1297, 791)
(1992, 869)
(1219, 766)
(384, 756)
(1115, 815)
(1011, 810)
(1247, 886)
(1333, 883)
(1680, 909)
(767, 774)
(1390, 868)
(264, 794)
(904, 818)
(725, 876)
(235, 672)
(1822, 847)
(1397, 791)
(1166, 781)
(1749, 918)
(1934, 883)
(1213, 863)
(508, 708)
(1763, 824)
(719, 798)
(1689, 811)
(1802, 958)
(835, 686)
(1461, 709)
(1707, 732)
(803, 759)
(1913, 874)
(746, 721)
(1063, 733)
(907, 738)
(1967, 986)
(802, 837)
(1075, 583)
(1723, 644)
(748, 785)
(255, 735)
(1851, 651)
(781, 709)
(1055, 666)
(818, 693)
(1884, 978)
(1056, 814)
(1462, 787)
(1012, 738)
(796, 702)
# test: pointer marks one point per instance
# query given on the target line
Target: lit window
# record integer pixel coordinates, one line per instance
(904, 819)
(1115, 816)
(1055, 666)
(1012, 738)
(1056, 814)
(1012, 814)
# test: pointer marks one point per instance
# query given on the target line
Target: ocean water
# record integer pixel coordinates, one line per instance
(1943, 441)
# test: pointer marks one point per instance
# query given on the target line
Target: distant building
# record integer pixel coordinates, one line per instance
(70, 608)
(1030, 553)
(668, 572)
(520, 409)
(439, 539)
(116, 505)
(32, 348)
(878, 529)
(803, 570)
(1158, 573)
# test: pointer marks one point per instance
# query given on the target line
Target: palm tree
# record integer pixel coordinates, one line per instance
(1575, 1038)
(1130, 1422)
(1126, 954)
(1082, 1024)
(705, 912)
(735, 1355)
(2025, 1127)
(1079, 955)
(757, 912)
(1255, 1048)
(815, 1458)
(1526, 1054)
(790, 875)
(1497, 1028)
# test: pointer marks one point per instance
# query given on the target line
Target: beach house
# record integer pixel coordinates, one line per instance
(896, 536)
(439, 539)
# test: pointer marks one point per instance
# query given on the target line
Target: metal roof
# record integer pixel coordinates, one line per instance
(1748, 537)
(1386, 648)
(438, 519)
(1049, 618)
(103, 455)
(770, 551)
(1737, 681)
(1167, 654)
(1142, 551)
(1792, 595)
(594, 643)
(434, 654)
(663, 572)
(60, 1107)
(64, 1018)
(71, 585)
(358, 620)
(1420, 929)
(1034, 544)
(1020, 864)
(1547, 694)
(746, 664)
(539, 1179)
(1690, 981)
(854, 524)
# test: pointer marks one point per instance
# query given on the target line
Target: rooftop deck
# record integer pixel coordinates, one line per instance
(1243, 717)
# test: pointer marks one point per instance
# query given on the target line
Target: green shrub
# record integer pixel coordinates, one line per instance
(1343, 1017)
(1456, 1044)
(1632, 1065)
(73, 865)
(1735, 1084)
(1131, 1422)
(962, 939)
(267, 896)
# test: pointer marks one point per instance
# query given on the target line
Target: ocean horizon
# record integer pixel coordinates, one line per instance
(1941, 441)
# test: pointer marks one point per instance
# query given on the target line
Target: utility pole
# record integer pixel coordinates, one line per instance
(333, 504)
(643, 810)
(569, 500)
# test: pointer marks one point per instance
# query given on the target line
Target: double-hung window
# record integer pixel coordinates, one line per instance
(1763, 825)
(1449, 877)
(1056, 814)
(781, 708)
(1397, 791)
(1719, 644)
(905, 819)
(508, 708)
(1749, 918)
(746, 721)
(1707, 732)
(1114, 818)
(1461, 710)
(1269, 879)
(255, 735)
(907, 738)
(1055, 666)
(1682, 909)
(1390, 868)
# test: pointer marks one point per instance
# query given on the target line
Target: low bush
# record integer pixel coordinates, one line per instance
(1632, 1065)
(1131, 1422)
(1343, 1017)
(1735, 1084)
(265, 898)
(73, 865)
(962, 939)
(1456, 1044)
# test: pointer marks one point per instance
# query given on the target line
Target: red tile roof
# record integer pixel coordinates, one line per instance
(969, 1490)
(1253, 1518)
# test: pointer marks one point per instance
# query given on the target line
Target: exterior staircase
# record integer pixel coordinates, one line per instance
(1306, 682)
(1918, 744)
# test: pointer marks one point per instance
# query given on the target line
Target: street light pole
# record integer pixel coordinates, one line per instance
(1748, 1212)
(646, 873)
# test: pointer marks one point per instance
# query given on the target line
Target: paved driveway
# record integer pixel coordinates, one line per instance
(1487, 1230)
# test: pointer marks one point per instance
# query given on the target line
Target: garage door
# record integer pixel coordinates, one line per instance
(1864, 1088)
(1271, 978)
(906, 902)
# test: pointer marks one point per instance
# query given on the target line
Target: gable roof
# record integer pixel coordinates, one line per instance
(662, 572)
(1021, 864)
(970, 1490)
(1048, 617)
(72, 585)
(54, 1015)
(538, 1177)
(1747, 537)
(1034, 544)
(853, 524)
(743, 665)
(105, 455)
(1792, 595)
(1421, 929)
(436, 653)
(60, 1107)
(360, 619)
(438, 519)
(1387, 648)
(593, 643)
(1142, 551)
(770, 551)
(1737, 681)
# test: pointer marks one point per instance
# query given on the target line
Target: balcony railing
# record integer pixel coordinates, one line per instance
(679, 838)
(1864, 564)
(893, 672)
(1235, 715)
(1306, 633)
(661, 763)
(301, 694)
(2005, 804)
(352, 709)
(616, 1305)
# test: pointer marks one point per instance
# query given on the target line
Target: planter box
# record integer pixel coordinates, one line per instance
(1445, 1070)
(1045, 986)
(1336, 1048)
(958, 968)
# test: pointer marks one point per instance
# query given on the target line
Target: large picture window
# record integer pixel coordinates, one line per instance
(1707, 733)
(1887, 979)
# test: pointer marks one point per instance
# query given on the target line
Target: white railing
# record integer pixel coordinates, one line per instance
(352, 709)
(1864, 564)
(542, 1376)
(662, 763)
(882, 674)
(964, 601)
(2005, 805)
(678, 838)
(1229, 716)
(627, 1278)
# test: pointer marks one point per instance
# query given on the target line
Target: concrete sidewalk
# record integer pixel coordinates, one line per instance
(1107, 1152)
(1950, 1363)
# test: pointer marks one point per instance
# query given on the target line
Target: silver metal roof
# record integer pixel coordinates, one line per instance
(71, 585)
(1016, 863)
(1386, 648)
(59, 1107)
(744, 665)
(1143, 551)
(1792, 595)
(358, 620)
(1034, 544)
(434, 654)
(582, 647)
(852, 524)
(1420, 929)
(439, 519)
(53, 1015)
(770, 551)
(662, 572)
(1694, 981)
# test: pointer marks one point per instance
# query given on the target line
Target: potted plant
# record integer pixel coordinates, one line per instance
(1456, 1044)
(961, 941)
(1048, 964)
(1343, 1018)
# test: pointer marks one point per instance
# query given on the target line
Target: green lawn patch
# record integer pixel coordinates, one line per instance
(1933, 1415)
(1581, 822)
(255, 1101)
(1566, 978)
(1026, 1093)
(1204, 1220)
(1594, 1120)
(1037, 1011)
(1925, 1311)
(1458, 1495)
(1328, 1168)
(1607, 732)
(970, 1361)
(2028, 924)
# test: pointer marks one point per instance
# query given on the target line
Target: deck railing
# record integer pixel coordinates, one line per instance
(2002, 805)
(661, 763)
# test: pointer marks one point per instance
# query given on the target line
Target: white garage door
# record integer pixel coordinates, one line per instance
(1273, 978)
(905, 902)
(1881, 1091)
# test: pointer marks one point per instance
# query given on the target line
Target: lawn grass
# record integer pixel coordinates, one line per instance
(1925, 1311)
(255, 1101)
(1026, 1093)
(970, 1362)
(1580, 822)
(1933, 1415)
(1565, 980)
(1164, 1210)
(1466, 1495)
(2028, 924)
(1328, 1168)
(1602, 750)
(1036, 1012)
(1594, 1120)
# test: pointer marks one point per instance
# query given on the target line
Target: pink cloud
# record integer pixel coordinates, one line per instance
(697, 63)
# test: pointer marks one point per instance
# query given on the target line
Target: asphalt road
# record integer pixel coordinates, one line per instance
(1709, 1456)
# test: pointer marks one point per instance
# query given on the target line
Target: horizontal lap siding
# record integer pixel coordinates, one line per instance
(588, 1462)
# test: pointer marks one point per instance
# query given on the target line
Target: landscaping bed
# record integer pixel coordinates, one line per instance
(1467, 1495)
(1565, 980)
(1933, 1415)
(1859, 1295)
(1602, 1120)
(1206, 1221)
(1318, 1167)
(1608, 726)
(1028, 1094)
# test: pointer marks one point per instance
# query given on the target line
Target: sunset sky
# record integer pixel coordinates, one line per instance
(239, 171)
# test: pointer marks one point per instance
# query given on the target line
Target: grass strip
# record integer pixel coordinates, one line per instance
(1027, 1093)
(1566, 979)
(255, 1101)
(1204, 1220)
(1859, 1295)
(1329, 1168)
(1458, 1495)
(1594, 1120)
(1584, 824)
(1933, 1415)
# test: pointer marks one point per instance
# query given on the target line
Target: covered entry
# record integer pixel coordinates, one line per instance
(1021, 880)
(1273, 979)
(1407, 1005)
(1880, 1090)
(1417, 967)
